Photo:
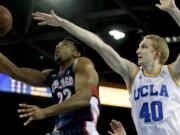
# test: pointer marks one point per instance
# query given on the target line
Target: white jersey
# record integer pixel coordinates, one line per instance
(156, 103)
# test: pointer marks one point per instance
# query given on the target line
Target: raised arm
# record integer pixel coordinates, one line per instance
(120, 65)
(176, 69)
(85, 79)
(27, 75)
(170, 7)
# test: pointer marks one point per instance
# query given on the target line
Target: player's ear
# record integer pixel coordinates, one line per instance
(157, 54)
(77, 53)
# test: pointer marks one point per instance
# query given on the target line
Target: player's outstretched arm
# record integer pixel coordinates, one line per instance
(170, 7)
(120, 65)
(27, 75)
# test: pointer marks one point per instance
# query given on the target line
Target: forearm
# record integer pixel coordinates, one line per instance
(84, 35)
(178, 65)
(27, 75)
(175, 13)
(72, 104)
(6, 66)
(175, 68)
(2, 70)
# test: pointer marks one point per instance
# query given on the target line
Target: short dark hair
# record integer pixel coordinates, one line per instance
(78, 44)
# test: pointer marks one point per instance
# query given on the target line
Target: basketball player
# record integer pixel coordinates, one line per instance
(74, 89)
(117, 128)
(153, 87)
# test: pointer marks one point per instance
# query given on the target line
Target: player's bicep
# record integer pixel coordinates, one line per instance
(2, 71)
(176, 68)
(120, 65)
(32, 76)
(84, 77)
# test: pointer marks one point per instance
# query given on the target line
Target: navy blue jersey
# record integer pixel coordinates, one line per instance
(62, 88)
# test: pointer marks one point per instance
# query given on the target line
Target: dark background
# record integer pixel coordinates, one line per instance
(28, 45)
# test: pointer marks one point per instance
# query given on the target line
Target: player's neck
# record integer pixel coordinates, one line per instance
(65, 65)
(153, 69)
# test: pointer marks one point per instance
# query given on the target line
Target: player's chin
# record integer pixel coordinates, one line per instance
(57, 59)
(140, 63)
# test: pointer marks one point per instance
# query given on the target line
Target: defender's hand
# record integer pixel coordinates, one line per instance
(166, 5)
(47, 19)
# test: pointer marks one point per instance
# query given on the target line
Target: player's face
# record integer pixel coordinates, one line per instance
(145, 52)
(64, 51)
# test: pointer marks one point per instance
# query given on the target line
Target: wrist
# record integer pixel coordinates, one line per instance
(173, 10)
(45, 112)
(61, 21)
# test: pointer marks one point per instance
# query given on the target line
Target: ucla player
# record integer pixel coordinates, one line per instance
(74, 89)
(153, 87)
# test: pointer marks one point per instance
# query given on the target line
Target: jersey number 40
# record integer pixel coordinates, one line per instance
(151, 112)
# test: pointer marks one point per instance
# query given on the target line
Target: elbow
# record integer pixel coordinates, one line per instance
(81, 100)
(84, 102)
(14, 73)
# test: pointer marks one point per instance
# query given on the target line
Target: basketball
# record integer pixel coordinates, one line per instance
(5, 20)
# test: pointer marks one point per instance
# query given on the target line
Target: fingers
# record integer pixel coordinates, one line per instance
(28, 121)
(40, 14)
(120, 125)
(115, 124)
(38, 18)
(42, 23)
(25, 110)
(158, 6)
(26, 105)
(110, 133)
(52, 12)
(25, 115)
(111, 125)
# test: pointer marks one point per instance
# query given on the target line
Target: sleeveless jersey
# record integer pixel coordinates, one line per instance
(62, 88)
(156, 103)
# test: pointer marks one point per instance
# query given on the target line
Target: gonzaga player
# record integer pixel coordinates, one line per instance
(74, 89)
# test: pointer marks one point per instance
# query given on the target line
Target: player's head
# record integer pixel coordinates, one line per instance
(68, 49)
(152, 48)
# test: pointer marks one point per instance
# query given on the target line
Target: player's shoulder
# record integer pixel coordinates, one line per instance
(84, 61)
(47, 71)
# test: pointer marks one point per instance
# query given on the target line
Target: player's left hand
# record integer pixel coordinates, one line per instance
(31, 112)
(166, 5)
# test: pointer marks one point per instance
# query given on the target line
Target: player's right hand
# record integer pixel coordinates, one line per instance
(31, 112)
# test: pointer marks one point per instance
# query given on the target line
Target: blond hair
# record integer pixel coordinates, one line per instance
(161, 45)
